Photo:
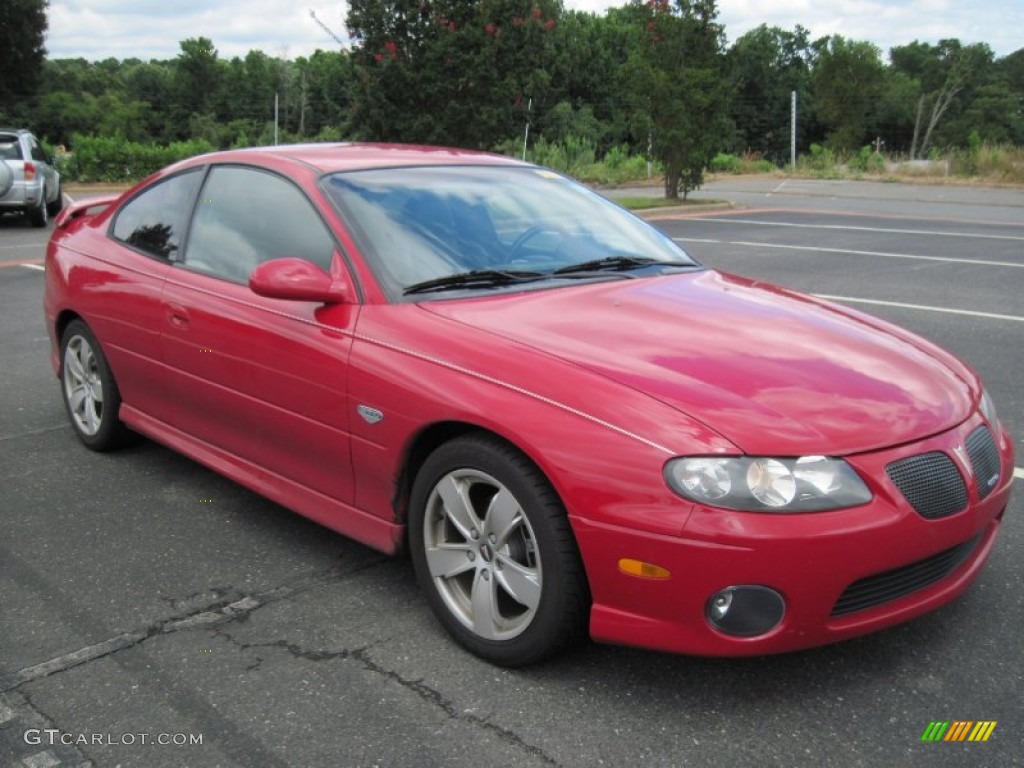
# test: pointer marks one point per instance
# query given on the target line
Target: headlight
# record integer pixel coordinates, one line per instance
(805, 484)
(988, 408)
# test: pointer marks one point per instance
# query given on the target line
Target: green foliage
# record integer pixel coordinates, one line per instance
(576, 157)
(22, 36)
(820, 162)
(676, 83)
(725, 163)
(450, 72)
(97, 158)
(867, 161)
(748, 163)
(846, 84)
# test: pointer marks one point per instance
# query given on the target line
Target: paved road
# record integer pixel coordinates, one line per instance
(142, 594)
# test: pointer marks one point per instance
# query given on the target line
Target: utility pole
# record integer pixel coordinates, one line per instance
(526, 133)
(792, 131)
(275, 118)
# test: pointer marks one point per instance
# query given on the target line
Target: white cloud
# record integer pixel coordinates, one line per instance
(151, 29)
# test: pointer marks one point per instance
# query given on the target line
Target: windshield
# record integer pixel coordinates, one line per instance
(492, 229)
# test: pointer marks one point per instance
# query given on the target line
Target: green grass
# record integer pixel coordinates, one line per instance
(643, 203)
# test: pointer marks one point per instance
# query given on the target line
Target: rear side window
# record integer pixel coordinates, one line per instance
(153, 222)
(10, 147)
(37, 151)
(245, 217)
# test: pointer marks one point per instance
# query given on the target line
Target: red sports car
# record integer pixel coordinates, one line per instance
(569, 423)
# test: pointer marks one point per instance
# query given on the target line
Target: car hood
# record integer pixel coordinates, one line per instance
(772, 371)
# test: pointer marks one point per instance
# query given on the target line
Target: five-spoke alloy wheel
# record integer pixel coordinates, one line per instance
(494, 552)
(90, 392)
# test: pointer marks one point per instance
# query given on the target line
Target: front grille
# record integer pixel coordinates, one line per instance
(931, 483)
(984, 459)
(899, 582)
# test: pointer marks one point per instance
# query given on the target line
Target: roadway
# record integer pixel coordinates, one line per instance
(142, 594)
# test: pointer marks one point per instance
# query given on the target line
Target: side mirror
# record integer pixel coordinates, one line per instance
(298, 280)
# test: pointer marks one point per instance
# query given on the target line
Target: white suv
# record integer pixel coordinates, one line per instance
(28, 181)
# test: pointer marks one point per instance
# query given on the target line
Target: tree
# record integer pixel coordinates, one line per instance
(951, 76)
(847, 83)
(197, 74)
(22, 52)
(676, 81)
(454, 72)
(768, 64)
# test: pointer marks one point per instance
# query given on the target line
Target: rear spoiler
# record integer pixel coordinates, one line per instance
(84, 208)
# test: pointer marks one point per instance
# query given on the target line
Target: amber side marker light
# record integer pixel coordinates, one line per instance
(643, 570)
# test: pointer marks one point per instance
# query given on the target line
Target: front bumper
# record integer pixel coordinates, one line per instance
(811, 559)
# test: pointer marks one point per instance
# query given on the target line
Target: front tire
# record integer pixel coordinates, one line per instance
(494, 553)
(91, 396)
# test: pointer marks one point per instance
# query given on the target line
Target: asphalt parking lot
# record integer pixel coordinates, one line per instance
(143, 596)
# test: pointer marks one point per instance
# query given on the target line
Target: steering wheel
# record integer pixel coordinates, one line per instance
(527, 235)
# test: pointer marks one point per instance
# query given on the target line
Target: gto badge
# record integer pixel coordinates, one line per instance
(370, 415)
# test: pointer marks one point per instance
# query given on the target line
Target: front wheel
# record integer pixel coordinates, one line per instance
(494, 552)
(90, 393)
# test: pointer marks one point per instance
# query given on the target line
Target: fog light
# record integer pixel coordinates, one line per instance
(745, 611)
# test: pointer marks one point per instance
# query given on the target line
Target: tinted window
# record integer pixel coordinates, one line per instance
(419, 224)
(245, 217)
(154, 221)
(10, 147)
(37, 151)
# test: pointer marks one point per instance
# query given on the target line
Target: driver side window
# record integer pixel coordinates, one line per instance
(245, 217)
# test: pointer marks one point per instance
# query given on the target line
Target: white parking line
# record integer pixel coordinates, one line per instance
(1018, 472)
(38, 267)
(847, 227)
(882, 254)
(923, 307)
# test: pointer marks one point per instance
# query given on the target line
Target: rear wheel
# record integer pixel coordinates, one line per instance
(494, 552)
(90, 393)
(38, 215)
(58, 204)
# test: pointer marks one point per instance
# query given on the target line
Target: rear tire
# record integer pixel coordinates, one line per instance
(91, 396)
(38, 215)
(57, 205)
(494, 553)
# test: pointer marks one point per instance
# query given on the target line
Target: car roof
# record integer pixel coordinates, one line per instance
(352, 156)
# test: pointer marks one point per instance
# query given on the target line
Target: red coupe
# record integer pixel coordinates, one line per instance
(568, 422)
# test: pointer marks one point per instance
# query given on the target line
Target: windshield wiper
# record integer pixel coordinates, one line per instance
(477, 278)
(617, 264)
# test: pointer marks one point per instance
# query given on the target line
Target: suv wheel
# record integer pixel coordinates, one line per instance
(39, 215)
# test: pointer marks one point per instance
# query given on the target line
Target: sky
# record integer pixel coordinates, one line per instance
(151, 29)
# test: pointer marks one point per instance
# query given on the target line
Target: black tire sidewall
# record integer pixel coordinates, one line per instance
(39, 215)
(556, 624)
(111, 433)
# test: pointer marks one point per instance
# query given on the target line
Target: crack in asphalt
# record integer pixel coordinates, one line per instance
(213, 614)
(417, 687)
(237, 609)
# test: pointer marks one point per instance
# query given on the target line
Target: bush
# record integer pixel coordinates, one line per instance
(725, 163)
(106, 159)
(821, 162)
(867, 161)
(577, 158)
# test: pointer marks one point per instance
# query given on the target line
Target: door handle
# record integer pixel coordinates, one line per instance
(177, 315)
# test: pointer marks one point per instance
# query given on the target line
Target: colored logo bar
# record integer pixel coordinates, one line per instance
(958, 730)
